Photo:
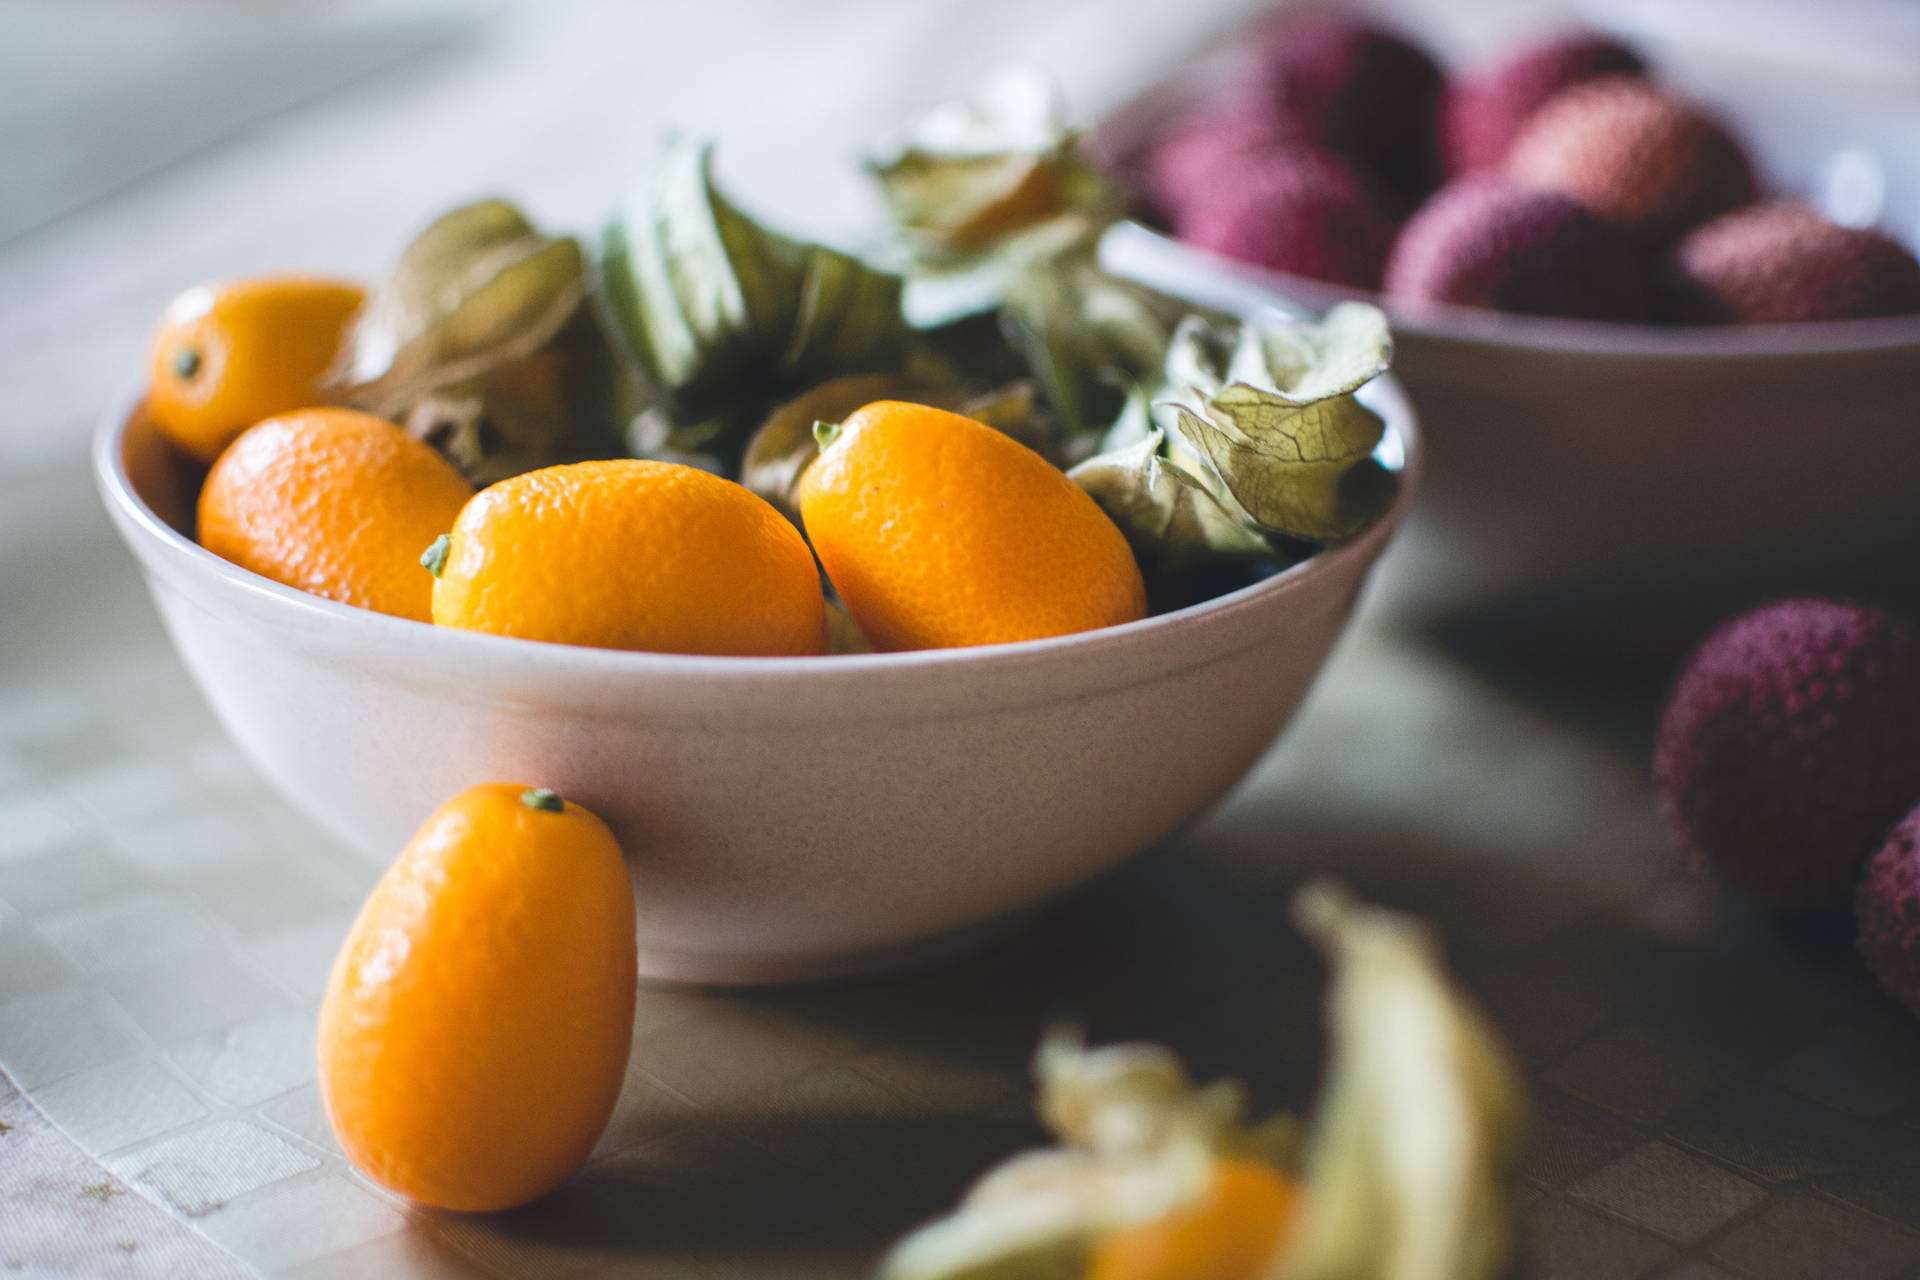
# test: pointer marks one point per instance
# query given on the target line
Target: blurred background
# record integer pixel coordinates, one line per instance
(150, 143)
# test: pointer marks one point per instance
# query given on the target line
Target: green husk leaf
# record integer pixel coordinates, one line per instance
(481, 343)
(1086, 335)
(690, 283)
(1256, 435)
(847, 317)
(981, 189)
(724, 316)
(1418, 1118)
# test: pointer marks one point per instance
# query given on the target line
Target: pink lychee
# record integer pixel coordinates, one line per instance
(1887, 911)
(1482, 242)
(1205, 151)
(1300, 209)
(1481, 115)
(1781, 262)
(1634, 155)
(1790, 745)
(1358, 89)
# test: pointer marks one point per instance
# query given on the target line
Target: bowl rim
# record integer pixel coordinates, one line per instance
(1155, 258)
(164, 550)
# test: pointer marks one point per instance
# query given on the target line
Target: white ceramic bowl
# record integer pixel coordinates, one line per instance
(784, 818)
(1678, 462)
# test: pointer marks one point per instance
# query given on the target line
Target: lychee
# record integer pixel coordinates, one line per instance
(1781, 262)
(1203, 152)
(1300, 209)
(1634, 155)
(1887, 911)
(1790, 745)
(1357, 88)
(1482, 242)
(1480, 116)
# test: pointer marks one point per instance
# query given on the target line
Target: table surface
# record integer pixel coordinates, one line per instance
(1714, 1094)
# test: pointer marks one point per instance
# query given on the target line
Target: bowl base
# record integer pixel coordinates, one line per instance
(684, 968)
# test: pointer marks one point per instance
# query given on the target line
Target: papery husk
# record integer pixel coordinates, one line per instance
(1087, 336)
(481, 342)
(1137, 1141)
(1402, 1168)
(981, 189)
(1253, 435)
(1171, 520)
(723, 315)
(843, 633)
(1418, 1117)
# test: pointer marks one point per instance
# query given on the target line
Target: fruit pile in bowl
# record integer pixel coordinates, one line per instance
(867, 606)
(1620, 331)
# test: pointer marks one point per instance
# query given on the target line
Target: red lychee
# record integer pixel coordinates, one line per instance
(1790, 745)
(1634, 155)
(1301, 209)
(1357, 88)
(1781, 262)
(1887, 909)
(1482, 242)
(1480, 116)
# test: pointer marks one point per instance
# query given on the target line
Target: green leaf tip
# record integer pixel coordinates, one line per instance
(186, 363)
(825, 433)
(541, 798)
(434, 558)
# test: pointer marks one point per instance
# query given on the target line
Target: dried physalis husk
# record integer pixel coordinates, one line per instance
(1402, 1171)
(1137, 1140)
(481, 343)
(979, 189)
(1087, 336)
(1417, 1118)
(1254, 434)
(843, 633)
(1170, 517)
(722, 314)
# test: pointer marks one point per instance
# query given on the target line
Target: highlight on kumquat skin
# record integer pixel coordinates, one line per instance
(227, 355)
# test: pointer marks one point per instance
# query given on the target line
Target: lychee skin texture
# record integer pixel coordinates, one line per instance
(1632, 155)
(1481, 116)
(1887, 910)
(1481, 242)
(1299, 209)
(1202, 152)
(1790, 745)
(1779, 263)
(1357, 89)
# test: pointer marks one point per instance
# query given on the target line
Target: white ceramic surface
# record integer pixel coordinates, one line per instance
(783, 818)
(1563, 450)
